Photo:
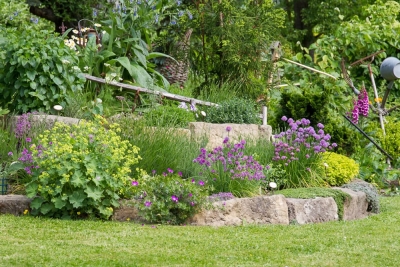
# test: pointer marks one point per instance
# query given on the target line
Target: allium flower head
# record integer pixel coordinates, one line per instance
(174, 199)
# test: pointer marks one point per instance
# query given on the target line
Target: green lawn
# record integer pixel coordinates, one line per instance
(375, 241)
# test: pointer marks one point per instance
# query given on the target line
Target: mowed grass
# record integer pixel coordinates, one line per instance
(374, 241)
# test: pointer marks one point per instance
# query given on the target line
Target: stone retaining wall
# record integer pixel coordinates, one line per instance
(275, 209)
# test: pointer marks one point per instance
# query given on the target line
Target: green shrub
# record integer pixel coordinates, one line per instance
(79, 170)
(339, 196)
(369, 190)
(36, 71)
(169, 116)
(391, 139)
(236, 110)
(339, 169)
(168, 198)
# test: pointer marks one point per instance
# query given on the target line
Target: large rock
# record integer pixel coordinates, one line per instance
(257, 210)
(314, 210)
(356, 207)
(215, 133)
(14, 204)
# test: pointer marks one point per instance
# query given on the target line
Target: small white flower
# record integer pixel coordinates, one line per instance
(64, 61)
(103, 32)
(75, 31)
(76, 68)
(273, 185)
(99, 101)
(326, 165)
(203, 113)
(58, 107)
(97, 25)
(106, 64)
(86, 68)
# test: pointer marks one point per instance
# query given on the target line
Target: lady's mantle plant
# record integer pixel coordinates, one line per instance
(227, 169)
(168, 198)
(79, 170)
(297, 151)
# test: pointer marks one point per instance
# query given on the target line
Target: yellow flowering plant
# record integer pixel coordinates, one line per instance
(79, 171)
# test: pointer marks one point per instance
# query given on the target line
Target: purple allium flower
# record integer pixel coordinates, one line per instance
(10, 153)
(226, 140)
(228, 129)
(174, 199)
(190, 195)
(334, 144)
(28, 139)
(192, 203)
(320, 125)
(135, 183)
(183, 105)
(22, 126)
(147, 203)
(284, 118)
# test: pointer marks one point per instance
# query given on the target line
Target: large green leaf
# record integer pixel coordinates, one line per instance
(157, 54)
(140, 75)
(31, 189)
(77, 198)
(37, 203)
(93, 192)
(59, 203)
(46, 208)
(77, 179)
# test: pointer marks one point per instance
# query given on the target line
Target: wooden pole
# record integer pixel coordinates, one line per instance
(149, 91)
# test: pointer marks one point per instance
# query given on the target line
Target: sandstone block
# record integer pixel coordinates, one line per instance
(356, 207)
(257, 210)
(314, 210)
(14, 204)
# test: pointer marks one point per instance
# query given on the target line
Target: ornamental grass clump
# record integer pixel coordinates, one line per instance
(167, 198)
(227, 169)
(79, 171)
(297, 151)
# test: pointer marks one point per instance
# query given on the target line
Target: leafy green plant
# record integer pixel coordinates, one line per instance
(369, 190)
(34, 75)
(339, 196)
(167, 198)
(235, 110)
(79, 170)
(391, 140)
(339, 169)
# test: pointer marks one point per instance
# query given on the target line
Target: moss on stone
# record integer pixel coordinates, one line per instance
(304, 193)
